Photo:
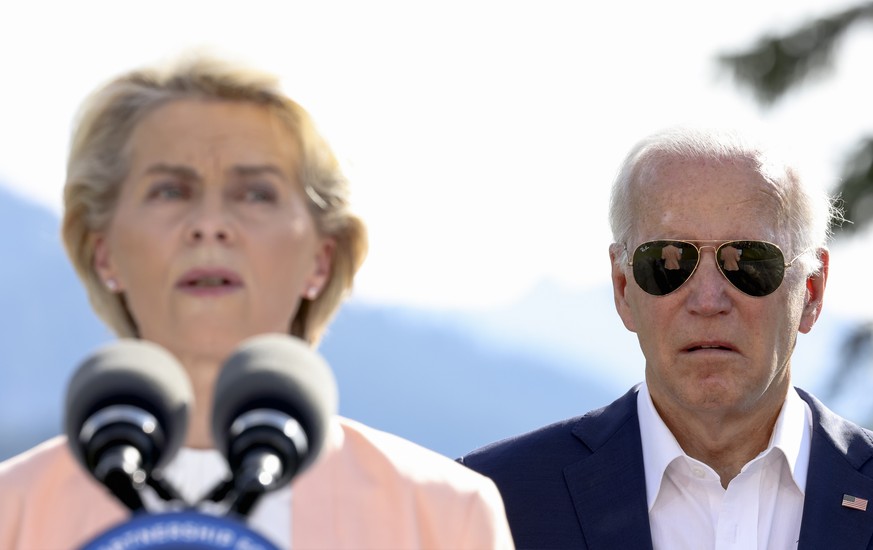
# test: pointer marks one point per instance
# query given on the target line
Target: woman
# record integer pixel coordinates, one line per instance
(203, 208)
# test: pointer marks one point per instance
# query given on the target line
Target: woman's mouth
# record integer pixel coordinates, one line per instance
(209, 281)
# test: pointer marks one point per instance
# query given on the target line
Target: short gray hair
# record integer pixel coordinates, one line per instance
(806, 216)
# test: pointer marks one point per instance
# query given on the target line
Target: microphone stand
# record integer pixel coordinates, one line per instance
(120, 470)
(257, 474)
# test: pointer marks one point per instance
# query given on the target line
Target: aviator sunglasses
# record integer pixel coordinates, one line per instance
(755, 268)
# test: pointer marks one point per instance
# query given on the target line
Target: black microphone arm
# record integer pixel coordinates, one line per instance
(126, 416)
(273, 402)
(115, 440)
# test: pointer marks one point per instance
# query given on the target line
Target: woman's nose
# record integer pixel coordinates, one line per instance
(209, 222)
(199, 234)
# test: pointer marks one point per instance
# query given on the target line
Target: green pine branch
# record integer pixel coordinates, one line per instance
(777, 64)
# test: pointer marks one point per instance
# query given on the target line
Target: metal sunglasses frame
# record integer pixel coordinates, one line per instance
(712, 244)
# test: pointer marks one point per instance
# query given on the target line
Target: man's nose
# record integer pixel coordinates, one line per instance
(708, 288)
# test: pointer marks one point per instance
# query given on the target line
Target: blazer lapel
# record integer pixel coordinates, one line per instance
(608, 488)
(839, 464)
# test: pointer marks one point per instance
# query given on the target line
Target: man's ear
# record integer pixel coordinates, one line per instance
(815, 288)
(620, 287)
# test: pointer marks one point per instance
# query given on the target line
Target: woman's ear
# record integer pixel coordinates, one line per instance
(323, 265)
(103, 265)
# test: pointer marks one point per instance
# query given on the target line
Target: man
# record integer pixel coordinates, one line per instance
(715, 449)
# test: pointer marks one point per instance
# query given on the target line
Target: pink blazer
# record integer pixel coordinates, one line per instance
(369, 489)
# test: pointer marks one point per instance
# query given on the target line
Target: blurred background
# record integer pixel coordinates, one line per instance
(481, 138)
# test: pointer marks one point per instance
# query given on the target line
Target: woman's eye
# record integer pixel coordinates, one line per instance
(259, 193)
(169, 191)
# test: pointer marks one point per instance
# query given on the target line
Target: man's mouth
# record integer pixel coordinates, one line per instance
(714, 346)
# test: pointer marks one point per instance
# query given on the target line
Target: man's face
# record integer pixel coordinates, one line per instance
(710, 348)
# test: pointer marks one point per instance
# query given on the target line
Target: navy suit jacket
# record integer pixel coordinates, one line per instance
(580, 483)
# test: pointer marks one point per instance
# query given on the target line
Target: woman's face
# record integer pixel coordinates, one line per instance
(211, 240)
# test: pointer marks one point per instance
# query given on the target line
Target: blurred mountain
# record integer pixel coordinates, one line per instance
(423, 375)
(448, 380)
(46, 324)
(580, 330)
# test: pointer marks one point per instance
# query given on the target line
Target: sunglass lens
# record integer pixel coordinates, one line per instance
(754, 267)
(660, 267)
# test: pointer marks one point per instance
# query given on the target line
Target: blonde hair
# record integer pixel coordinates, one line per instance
(99, 158)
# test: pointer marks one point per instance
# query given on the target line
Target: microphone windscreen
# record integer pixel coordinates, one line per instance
(130, 372)
(279, 372)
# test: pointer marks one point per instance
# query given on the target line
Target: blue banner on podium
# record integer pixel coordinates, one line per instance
(189, 530)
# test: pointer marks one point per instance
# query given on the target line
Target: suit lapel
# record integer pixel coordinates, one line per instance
(608, 488)
(839, 464)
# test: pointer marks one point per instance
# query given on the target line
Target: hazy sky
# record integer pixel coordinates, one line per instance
(481, 137)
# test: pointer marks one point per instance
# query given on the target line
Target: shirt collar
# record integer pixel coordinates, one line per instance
(791, 436)
(660, 447)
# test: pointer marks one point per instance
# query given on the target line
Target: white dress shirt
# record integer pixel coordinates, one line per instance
(761, 507)
(195, 472)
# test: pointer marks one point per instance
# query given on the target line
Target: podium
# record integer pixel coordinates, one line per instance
(184, 530)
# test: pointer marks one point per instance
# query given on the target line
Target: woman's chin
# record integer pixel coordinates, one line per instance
(206, 343)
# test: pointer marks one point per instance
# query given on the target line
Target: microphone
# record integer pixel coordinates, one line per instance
(273, 402)
(126, 415)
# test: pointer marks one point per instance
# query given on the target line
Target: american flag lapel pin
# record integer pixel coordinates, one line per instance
(855, 502)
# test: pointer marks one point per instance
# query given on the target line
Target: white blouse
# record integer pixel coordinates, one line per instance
(195, 472)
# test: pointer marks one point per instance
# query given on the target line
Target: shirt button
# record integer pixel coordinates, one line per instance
(698, 472)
